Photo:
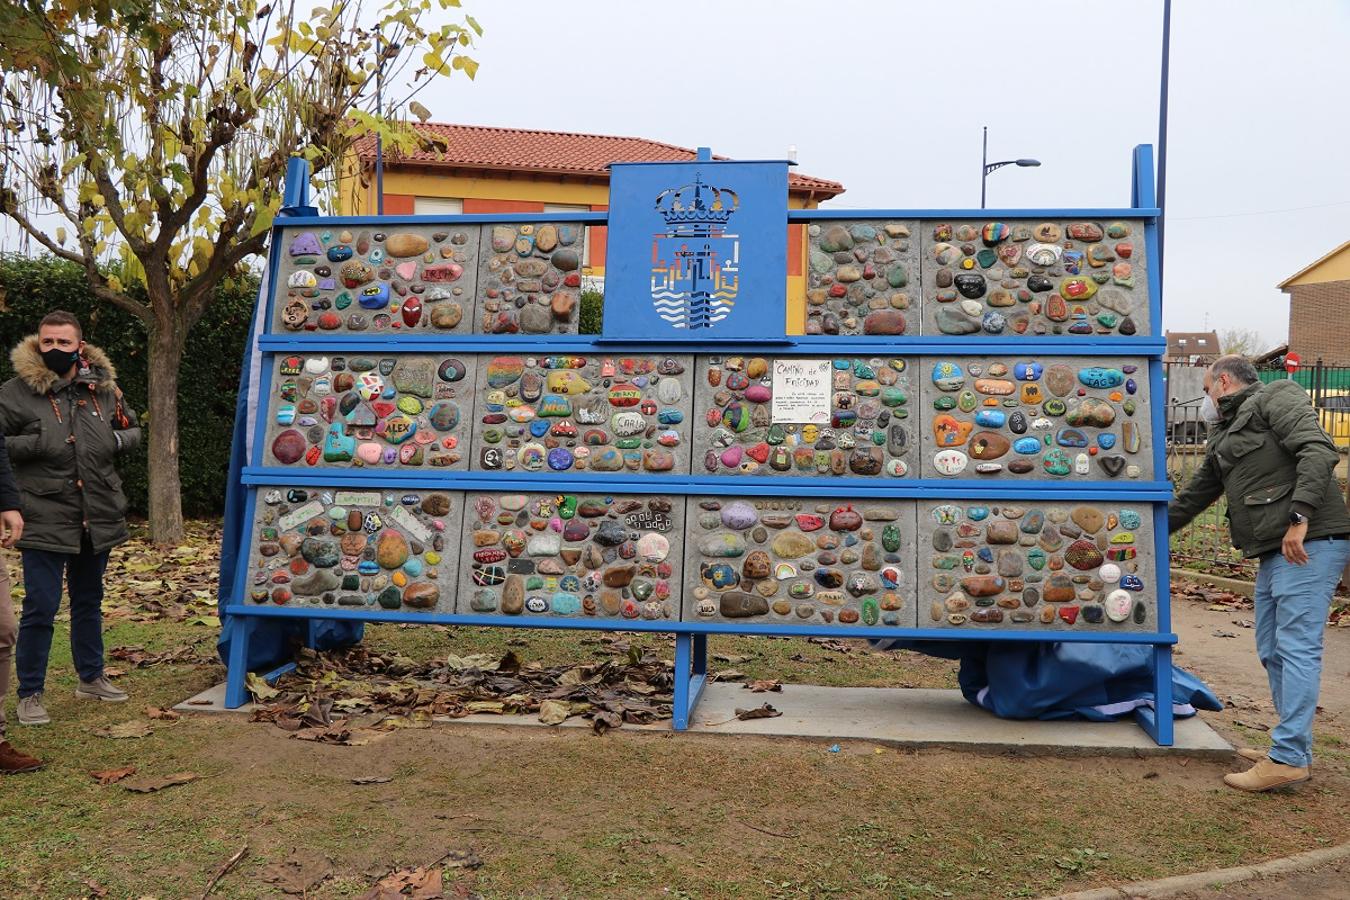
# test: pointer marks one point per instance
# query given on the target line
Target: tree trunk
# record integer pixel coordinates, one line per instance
(166, 494)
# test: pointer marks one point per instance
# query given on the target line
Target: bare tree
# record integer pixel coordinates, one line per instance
(1242, 341)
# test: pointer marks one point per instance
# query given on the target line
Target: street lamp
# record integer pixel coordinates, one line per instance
(986, 166)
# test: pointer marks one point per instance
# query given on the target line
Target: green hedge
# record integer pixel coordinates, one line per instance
(29, 288)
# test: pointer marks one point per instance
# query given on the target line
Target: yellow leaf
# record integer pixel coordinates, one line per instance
(60, 235)
(554, 712)
(259, 688)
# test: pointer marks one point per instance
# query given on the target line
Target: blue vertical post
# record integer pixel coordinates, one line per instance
(680, 713)
(236, 689)
(295, 191)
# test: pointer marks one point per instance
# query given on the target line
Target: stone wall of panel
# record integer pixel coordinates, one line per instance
(418, 278)
(865, 430)
(1040, 566)
(371, 549)
(800, 561)
(404, 410)
(529, 280)
(1035, 277)
(1023, 418)
(591, 555)
(603, 413)
(862, 277)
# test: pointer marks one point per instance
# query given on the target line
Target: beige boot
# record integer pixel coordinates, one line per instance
(1251, 754)
(1266, 775)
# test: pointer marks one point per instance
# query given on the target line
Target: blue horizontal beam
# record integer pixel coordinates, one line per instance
(384, 222)
(668, 627)
(816, 215)
(928, 345)
(698, 485)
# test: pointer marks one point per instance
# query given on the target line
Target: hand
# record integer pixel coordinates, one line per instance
(11, 527)
(1293, 544)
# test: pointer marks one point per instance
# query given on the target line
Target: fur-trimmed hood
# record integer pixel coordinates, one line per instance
(28, 366)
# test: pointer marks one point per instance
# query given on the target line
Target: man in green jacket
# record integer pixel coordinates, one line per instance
(64, 423)
(1269, 456)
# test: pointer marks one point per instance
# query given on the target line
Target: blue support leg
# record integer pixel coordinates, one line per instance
(699, 678)
(680, 712)
(236, 691)
(1159, 720)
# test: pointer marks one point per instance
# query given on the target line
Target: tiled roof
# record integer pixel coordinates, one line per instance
(1192, 343)
(556, 152)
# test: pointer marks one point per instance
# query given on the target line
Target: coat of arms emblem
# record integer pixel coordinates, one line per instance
(695, 262)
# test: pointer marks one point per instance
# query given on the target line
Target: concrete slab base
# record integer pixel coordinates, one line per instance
(891, 716)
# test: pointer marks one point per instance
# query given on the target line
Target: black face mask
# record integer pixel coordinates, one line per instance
(60, 361)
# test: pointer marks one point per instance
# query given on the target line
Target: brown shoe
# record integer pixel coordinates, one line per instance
(12, 761)
(1266, 775)
(1251, 754)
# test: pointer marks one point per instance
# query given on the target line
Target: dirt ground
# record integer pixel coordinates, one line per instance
(564, 813)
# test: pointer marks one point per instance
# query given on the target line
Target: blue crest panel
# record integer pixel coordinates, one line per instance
(696, 251)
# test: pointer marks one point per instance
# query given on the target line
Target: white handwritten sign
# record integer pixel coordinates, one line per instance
(801, 391)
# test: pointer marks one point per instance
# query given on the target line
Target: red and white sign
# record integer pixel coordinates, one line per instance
(1291, 362)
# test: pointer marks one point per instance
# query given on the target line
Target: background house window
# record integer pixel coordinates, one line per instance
(437, 206)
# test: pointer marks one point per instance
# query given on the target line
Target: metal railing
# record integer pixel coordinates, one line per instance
(1204, 544)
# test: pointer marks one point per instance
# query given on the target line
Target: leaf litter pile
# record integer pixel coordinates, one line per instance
(346, 696)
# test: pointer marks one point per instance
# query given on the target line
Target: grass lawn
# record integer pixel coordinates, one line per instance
(512, 812)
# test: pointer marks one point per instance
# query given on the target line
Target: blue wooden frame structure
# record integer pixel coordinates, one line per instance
(691, 637)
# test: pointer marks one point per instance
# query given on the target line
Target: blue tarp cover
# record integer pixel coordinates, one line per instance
(1099, 682)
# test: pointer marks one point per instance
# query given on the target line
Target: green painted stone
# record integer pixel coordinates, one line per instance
(628, 443)
(890, 538)
(1054, 407)
(492, 435)
(1129, 406)
(870, 611)
(1108, 320)
(568, 508)
(879, 438)
(410, 405)
(1056, 462)
(1036, 558)
(777, 434)
(342, 300)
(986, 258)
(944, 403)
(896, 276)
(894, 396)
(966, 401)
(390, 598)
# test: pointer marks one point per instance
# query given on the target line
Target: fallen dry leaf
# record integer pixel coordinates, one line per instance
(554, 712)
(299, 873)
(760, 712)
(763, 685)
(149, 785)
(111, 776)
(166, 715)
(259, 688)
(420, 883)
(133, 729)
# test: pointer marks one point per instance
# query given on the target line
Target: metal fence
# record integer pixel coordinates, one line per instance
(1204, 544)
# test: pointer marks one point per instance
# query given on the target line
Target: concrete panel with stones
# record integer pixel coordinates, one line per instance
(392, 410)
(1024, 418)
(866, 431)
(862, 277)
(1035, 277)
(611, 412)
(1057, 566)
(416, 279)
(587, 555)
(375, 549)
(529, 279)
(800, 561)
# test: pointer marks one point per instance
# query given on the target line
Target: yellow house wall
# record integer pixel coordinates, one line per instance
(354, 201)
(1337, 268)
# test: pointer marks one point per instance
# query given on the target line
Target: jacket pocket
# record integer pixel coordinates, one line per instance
(1268, 511)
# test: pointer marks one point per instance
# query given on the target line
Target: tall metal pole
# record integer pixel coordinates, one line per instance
(379, 112)
(1162, 130)
(984, 163)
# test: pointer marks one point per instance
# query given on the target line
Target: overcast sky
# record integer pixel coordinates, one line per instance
(889, 98)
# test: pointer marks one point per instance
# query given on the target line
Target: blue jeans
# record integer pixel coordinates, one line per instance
(42, 576)
(1291, 617)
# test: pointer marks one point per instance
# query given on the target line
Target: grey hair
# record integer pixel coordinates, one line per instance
(1235, 366)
